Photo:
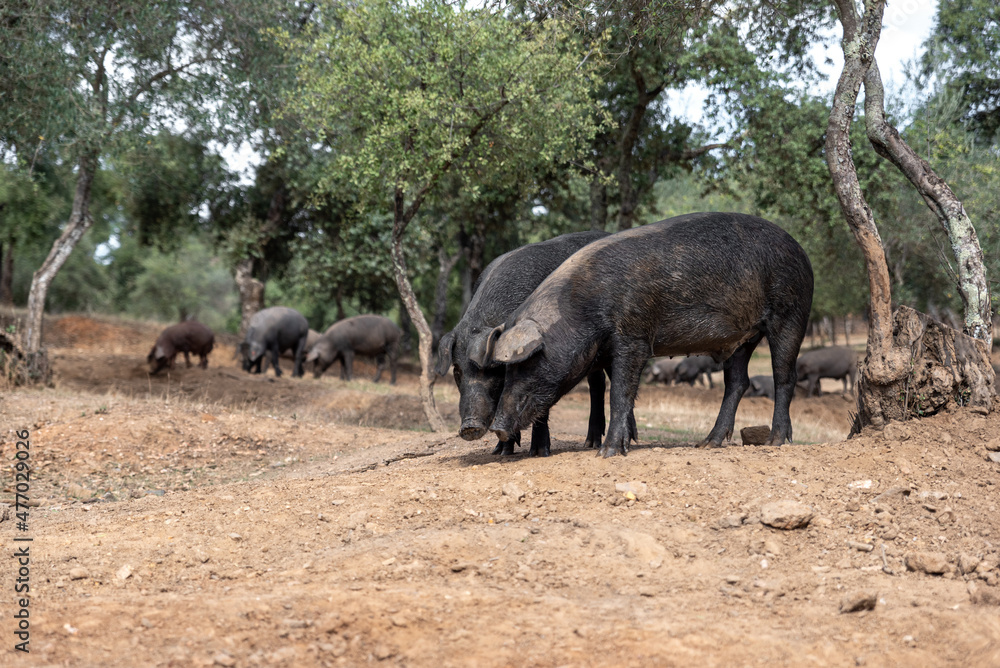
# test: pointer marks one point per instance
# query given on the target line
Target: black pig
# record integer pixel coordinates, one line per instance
(186, 337)
(274, 330)
(835, 362)
(504, 284)
(708, 283)
(371, 335)
(697, 368)
(761, 386)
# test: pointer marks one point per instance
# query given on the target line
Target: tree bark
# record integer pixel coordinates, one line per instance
(7, 275)
(630, 137)
(598, 203)
(79, 222)
(896, 367)
(445, 266)
(251, 292)
(972, 283)
(424, 348)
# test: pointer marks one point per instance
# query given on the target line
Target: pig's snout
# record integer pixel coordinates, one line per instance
(472, 429)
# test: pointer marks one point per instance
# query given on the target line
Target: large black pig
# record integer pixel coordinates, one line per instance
(704, 283)
(274, 330)
(504, 285)
(186, 337)
(371, 335)
(835, 362)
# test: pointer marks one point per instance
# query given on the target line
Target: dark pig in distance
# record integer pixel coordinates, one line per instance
(697, 368)
(504, 285)
(836, 362)
(663, 371)
(369, 335)
(706, 283)
(311, 338)
(186, 337)
(274, 330)
(761, 386)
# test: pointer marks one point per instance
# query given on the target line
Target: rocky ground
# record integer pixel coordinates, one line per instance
(216, 518)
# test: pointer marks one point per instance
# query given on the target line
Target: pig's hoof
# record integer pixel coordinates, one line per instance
(504, 448)
(591, 443)
(710, 444)
(611, 450)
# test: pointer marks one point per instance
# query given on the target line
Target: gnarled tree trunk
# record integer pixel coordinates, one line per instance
(79, 222)
(7, 275)
(914, 365)
(424, 347)
(972, 283)
(251, 293)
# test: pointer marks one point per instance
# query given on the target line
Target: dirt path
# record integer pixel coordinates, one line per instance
(242, 521)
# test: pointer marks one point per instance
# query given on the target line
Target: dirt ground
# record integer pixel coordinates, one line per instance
(217, 518)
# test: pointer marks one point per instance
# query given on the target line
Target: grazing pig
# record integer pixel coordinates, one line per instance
(186, 337)
(761, 386)
(289, 355)
(663, 371)
(371, 335)
(505, 283)
(697, 368)
(274, 330)
(705, 283)
(834, 362)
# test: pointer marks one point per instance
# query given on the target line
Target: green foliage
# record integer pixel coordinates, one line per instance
(188, 282)
(964, 51)
(403, 92)
(82, 285)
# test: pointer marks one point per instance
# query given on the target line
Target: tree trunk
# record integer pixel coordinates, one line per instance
(339, 301)
(922, 366)
(630, 137)
(251, 292)
(972, 283)
(406, 293)
(79, 222)
(7, 275)
(445, 266)
(598, 203)
(466, 275)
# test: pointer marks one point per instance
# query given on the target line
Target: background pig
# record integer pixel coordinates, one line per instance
(504, 284)
(370, 335)
(697, 367)
(708, 283)
(186, 337)
(833, 362)
(311, 338)
(274, 330)
(663, 371)
(761, 386)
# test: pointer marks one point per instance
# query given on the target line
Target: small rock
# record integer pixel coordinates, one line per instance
(223, 659)
(357, 519)
(946, 516)
(891, 532)
(755, 435)
(513, 491)
(786, 514)
(981, 595)
(382, 652)
(731, 521)
(994, 445)
(933, 563)
(858, 601)
(124, 573)
(78, 573)
(852, 506)
(399, 620)
(967, 563)
(236, 537)
(993, 456)
(635, 487)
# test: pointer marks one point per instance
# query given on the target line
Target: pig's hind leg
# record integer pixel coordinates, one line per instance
(737, 380)
(595, 428)
(506, 448)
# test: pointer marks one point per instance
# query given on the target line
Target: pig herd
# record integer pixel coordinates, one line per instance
(279, 329)
(705, 288)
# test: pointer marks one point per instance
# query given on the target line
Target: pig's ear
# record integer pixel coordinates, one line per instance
(518, 343)
(480, 349)
(445, 348)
